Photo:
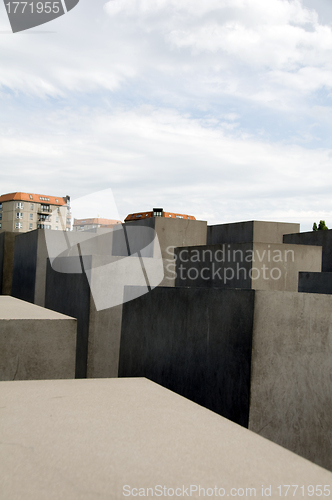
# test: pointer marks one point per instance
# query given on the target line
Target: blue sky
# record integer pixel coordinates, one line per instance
(221, 109)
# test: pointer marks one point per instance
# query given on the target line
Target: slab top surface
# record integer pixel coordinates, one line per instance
(118, 438)
(12, 308)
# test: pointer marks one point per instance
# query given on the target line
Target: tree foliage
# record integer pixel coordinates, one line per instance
(321, 226)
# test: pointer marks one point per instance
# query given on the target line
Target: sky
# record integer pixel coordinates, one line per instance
(221, 109)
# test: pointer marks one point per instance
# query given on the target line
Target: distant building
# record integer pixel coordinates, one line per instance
(86, 224)
(157, 212)
(23, 212)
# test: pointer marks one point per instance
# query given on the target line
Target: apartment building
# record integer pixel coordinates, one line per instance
(92, 223)
(157, 212)
(23, 212)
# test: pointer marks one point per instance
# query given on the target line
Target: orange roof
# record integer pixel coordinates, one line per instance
(97, 220)
(147, 215)
(35, 198)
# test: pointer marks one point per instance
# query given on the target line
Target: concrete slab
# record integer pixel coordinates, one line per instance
(197, 342)
(194, 341)
(7, 241)
(260, 266)
(88, 439)
(250, 232)
(35, 343)
(315, 282)
(320, 238)
(290, 393)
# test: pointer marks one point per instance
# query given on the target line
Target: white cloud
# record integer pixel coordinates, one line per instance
(213, 108)
(152, 157)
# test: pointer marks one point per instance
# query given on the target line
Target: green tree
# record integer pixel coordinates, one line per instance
(314, 227)
(322, 226)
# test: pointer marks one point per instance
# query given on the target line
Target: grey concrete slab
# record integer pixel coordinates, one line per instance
(35, 343)
(194, 341)
(69, 293)
(250, 232)
(259, 266)
(29, 268)
(7, 241)
(290, 395)
(171, 233)
(315, 282)
(319, 238)
(88, 439)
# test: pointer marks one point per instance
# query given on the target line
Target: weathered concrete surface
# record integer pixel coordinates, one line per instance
(250, 232)
(138, 435)
(7, 241)
(171, 233)
(259, 266)
(320, 238)
(98, 331)
(29, 269)
(35, 343)
(194, 341)
(315, 282)
(69, 293)
(290, 395)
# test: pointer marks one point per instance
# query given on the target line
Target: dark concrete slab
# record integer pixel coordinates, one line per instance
(250, 232)
(315, 282)
(7, 242)
(319, 238)
(69, 294)
(25, 266)
(196, 342)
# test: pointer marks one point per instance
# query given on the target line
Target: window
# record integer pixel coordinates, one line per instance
(56, 227)
(31, 197)
(31, 216)
(58, 209)
(31, 206)
(18, 225)
(30, 226)
(0, 225)
(0, 206)
(0, 216)
(68, 221)
(57, 219)
(19, 215)
(44, 217)
(19, 205)
(57, 201)
(157, 212)
(45, 208)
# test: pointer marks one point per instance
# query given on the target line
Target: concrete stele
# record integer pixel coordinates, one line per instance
(35, 343)
(88, 439)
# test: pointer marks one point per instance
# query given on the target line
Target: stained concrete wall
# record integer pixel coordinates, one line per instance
(249, 232)
(320, 238)
(7, 241)
(259, 266)
(196, 342)
(29, 269)
(315, 282)
(69, 294)
(290, 395)
(145, 435)
(171, 233)
(98, 331)
(35, 343)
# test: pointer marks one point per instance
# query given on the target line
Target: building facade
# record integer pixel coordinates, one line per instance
(92, 223)
(157, 212)
(23, 212)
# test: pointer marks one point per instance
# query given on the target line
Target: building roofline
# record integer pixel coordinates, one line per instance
(34, 198)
